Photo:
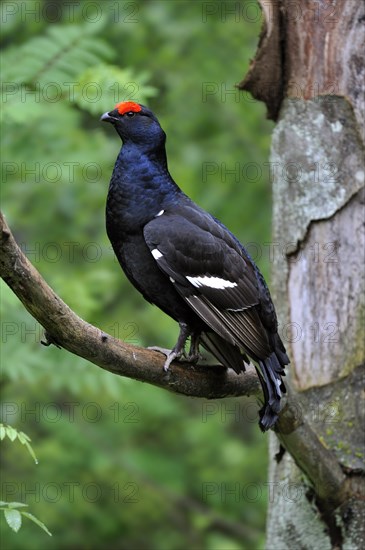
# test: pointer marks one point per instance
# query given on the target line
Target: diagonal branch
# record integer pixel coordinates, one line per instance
(65, 329)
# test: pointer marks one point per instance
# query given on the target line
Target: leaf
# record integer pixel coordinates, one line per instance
(13, 519)
(11, 433)
(31, 452)
(42, 69)
(37, 521)
(23, 437)
(19, 109)
(100, 87)
(15, 504)
(24, 440)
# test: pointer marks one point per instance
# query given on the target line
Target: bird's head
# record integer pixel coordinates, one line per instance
(136, 123)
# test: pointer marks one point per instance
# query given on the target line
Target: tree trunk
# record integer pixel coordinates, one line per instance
(315, 57)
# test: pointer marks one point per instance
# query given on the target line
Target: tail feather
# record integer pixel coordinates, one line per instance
(270, 373)
(230, 356)
(280, 351)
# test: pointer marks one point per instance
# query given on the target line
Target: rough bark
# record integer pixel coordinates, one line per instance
(318, 180)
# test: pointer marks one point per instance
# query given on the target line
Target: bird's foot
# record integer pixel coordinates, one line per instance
(171, 355)
(194, 355)
(180, 355)
(178, 350)
(194, 358)
(164, 351)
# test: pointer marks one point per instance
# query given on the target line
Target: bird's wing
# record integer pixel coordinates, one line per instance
(209, 269)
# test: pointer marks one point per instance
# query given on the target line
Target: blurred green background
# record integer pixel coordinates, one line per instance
(123, 464)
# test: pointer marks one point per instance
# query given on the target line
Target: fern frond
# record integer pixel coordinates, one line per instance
(115, 85)
(57, 57)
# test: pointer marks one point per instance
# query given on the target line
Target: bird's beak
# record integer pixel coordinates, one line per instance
(107, 118)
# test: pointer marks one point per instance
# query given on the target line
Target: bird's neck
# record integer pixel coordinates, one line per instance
(140, 187)
(131, 151)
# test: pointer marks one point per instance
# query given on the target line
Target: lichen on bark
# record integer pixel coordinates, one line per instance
(317, 163)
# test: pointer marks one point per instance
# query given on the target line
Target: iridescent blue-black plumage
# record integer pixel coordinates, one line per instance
(188, 263)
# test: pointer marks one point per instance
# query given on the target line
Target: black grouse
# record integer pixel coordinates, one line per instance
(187, 262)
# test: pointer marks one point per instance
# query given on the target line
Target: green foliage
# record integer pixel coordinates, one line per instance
(114, 85)
(43, 67)
(148, 455)
(13, 434)
(13, 516)
(62, 53)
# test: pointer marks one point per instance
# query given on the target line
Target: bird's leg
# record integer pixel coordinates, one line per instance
(179, 348)
(194, 354)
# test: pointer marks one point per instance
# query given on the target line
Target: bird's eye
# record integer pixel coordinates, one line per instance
(130, 114)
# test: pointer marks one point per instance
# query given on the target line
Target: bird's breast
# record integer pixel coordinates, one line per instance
(141, 269)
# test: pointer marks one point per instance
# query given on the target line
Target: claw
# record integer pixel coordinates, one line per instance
(169, 359)
(170, 354)
(179, 349)
(164, 351)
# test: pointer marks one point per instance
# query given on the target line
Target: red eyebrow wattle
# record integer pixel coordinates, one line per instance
(127, 107)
